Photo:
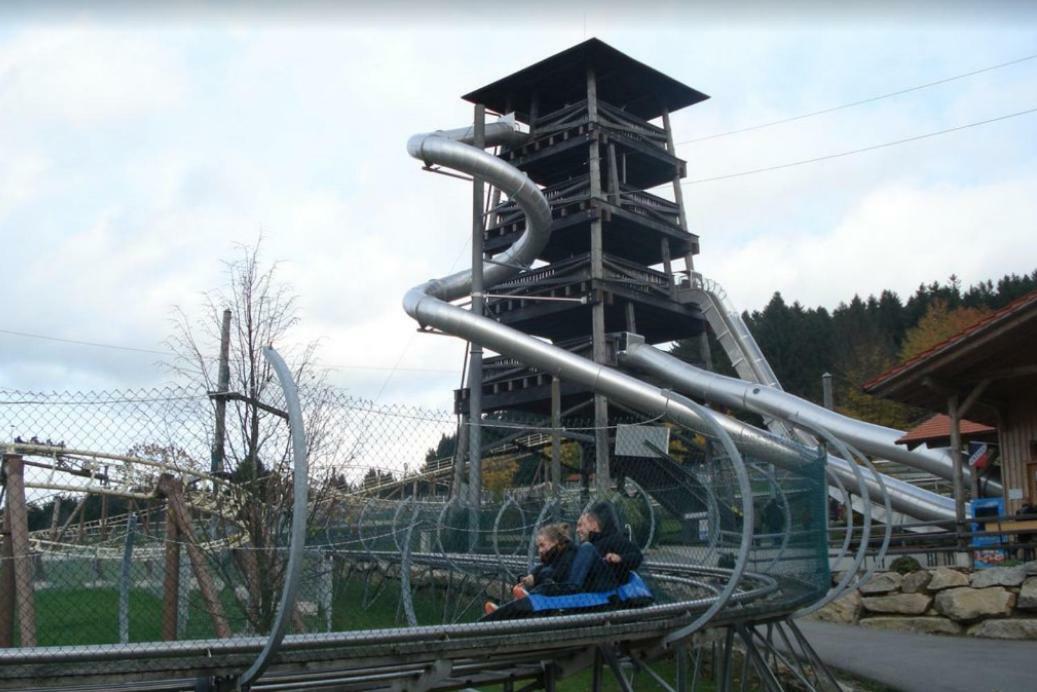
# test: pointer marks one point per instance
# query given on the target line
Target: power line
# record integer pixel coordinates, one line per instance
(135, 349)
(83, 343)
(870, 99)
(859, 151)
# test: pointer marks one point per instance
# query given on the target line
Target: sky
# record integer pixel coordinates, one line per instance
(142, 147)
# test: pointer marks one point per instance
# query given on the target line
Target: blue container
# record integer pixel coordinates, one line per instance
(985, 552)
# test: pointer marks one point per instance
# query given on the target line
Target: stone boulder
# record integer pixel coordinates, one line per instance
(916, 581)
(844, 610)
(899, 603)
(997, 576)
(946, 578)
(920, 625)
(1030, 568)
(1028, 595)
(1015, 628)
(883, 582)
(964, 604)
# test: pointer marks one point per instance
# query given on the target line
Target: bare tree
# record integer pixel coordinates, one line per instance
(257, 499)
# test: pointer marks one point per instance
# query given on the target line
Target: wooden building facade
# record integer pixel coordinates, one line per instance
(987, 372)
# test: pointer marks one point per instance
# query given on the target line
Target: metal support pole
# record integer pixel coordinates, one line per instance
(475, 362)
(18, 525)
(222, 387)
(826, 391)
(601, 411)
(556, 436)
(125, 580)
(680, 653)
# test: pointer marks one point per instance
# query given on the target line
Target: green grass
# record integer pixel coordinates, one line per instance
(66, 617)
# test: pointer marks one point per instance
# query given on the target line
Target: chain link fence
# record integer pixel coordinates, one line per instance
(127, 523)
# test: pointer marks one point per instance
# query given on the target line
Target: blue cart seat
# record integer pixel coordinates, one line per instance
(633, 592)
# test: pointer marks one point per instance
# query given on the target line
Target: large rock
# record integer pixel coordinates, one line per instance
(844, 610)
(1028, 595)
(964, 603)
(915, 582)
(1015, 628)
(997, 576)
(1030, 567)
(920, 625)
(946, 578)
(900, 603)
(881, 583)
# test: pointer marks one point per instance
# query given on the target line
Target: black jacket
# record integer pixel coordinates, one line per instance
(556, 569)
(605, 576)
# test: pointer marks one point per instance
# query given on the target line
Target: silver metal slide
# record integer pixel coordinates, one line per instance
(906, 498)
(428, 304)
(770, 400)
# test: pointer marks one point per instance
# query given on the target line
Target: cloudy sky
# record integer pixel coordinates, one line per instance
(139, 149)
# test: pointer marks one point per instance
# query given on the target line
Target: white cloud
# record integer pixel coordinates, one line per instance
(80, 75)
(897, 237)
(138, 159)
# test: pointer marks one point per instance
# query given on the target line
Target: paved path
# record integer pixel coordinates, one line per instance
(926, 663)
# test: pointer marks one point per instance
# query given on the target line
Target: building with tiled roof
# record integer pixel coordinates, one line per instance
(987, 371)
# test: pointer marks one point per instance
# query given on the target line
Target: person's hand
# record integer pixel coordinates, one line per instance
(527, 581)
(613, 558)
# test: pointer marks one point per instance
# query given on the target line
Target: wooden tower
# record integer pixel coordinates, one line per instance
(599, 141)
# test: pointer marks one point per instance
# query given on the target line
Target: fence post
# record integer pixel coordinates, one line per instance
(17, 518)
(170, 580)
(125, 580)
(6, 582)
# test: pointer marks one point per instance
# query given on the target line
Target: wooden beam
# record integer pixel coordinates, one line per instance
(172, 490)
(973, 396)
(170, 579)
(959, 467)
(18, 524)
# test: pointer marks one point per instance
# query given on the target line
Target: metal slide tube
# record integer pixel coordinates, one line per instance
(300, 491)
(905, 498)
(426, 304)
(767, 397)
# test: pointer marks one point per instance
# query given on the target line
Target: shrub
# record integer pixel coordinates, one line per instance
(905, 564)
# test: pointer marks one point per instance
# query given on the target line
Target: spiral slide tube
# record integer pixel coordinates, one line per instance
(427, 303)
(905, 498)
(771, 401)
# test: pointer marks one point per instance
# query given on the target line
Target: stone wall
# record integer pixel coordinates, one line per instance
(999, 603)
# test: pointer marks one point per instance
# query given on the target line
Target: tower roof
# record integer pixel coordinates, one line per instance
(561, 79)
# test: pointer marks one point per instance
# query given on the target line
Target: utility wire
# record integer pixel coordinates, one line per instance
(859, 151)
(136, 349)
(870, 99)
(83, 343)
